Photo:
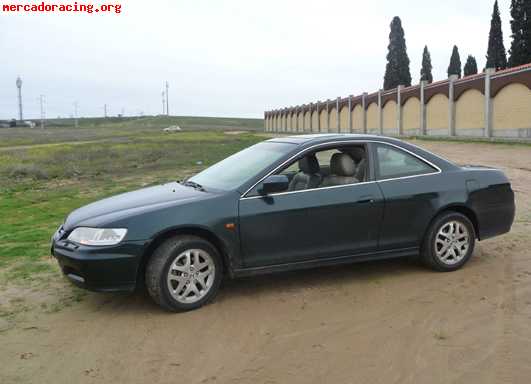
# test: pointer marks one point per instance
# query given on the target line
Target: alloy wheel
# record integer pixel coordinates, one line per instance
(452, 242)
(191, 276)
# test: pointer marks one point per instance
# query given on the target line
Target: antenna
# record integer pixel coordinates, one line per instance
(105, 110)
(76, 124)
(19, 86)
(42, 100)
(167, 99)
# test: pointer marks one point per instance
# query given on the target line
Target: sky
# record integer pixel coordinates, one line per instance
(224, 58)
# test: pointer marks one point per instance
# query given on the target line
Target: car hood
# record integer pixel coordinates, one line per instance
(133, 202)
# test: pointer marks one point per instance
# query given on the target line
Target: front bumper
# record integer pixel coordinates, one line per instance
(102, 269)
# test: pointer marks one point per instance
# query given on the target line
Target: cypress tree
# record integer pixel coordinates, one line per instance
(496, 55)
(455, 63)
(425, 71)
(397, 68)
(471, 67)
(520, 52)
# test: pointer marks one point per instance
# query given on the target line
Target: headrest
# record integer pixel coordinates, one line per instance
(309, 165)
(357, 153)
(342, 164)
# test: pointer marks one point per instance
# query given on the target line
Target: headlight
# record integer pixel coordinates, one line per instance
(97, 236)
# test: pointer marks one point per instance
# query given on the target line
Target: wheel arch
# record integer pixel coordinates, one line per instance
(462, 209)
(201, 232)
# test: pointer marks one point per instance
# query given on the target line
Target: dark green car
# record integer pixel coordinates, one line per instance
(283, 204)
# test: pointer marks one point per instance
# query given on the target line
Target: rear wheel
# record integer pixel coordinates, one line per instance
(449, 242)
(184, 273)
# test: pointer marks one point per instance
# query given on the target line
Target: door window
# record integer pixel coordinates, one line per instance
(326, 168)
(393, 162)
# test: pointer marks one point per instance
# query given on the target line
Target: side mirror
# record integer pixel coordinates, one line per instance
(273, 184)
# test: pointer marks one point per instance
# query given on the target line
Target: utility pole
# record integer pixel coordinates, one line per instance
(43, 112)
(163, 104)
(105, 110)
(19, 86)
(75, 115)
(167, 99)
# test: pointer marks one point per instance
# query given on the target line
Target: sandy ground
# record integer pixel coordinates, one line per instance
(379, 322)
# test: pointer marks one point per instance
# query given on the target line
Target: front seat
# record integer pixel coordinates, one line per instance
(342, 170)
(359, 156)
(308, 177)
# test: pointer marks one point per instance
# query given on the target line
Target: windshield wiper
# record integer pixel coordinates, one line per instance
(193, 184)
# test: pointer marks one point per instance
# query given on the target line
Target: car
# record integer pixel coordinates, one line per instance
(284, 204)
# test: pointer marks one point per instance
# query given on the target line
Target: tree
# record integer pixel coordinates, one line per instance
(471, 67)
(520, 52)
(397, 68)
(425, 71)
(455, 63)
(496, 55)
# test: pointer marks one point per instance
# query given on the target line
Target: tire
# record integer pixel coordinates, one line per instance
(177, 266)
(449, 242)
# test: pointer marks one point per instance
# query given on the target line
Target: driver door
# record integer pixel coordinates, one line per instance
(294, 226)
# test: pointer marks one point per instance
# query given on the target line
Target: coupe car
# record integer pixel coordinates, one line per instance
(284, 204)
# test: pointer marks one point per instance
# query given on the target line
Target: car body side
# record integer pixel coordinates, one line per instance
(482, 194)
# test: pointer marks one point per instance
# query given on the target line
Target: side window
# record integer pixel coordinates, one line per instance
(393, 162)
(327, 168)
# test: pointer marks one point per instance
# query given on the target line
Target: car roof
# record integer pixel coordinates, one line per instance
(320, 138)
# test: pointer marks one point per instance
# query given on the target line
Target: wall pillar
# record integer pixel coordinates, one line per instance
(488, 101)
(297, 112)
(451, 105)
(380, 113)
(349, 124)
(318, 109)
(423, 127)
(338, 123)
(399, 120)
(327, 115)
(304, 127)
(364, 108)
(311, 113)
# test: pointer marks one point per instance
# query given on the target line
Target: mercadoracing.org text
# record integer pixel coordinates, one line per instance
(73, 7)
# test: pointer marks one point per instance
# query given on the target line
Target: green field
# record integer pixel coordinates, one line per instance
(45, 174)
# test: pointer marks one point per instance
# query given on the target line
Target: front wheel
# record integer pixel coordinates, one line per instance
(449, 242)
(184, 273)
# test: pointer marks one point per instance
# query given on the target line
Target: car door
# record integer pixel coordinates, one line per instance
(310, 224)
(411, 188)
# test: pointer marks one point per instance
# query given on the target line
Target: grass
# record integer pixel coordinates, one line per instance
(45, 176)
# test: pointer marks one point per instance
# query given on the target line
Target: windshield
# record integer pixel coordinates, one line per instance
(239, 168)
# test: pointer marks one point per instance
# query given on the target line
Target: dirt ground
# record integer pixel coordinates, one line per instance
(378, 322)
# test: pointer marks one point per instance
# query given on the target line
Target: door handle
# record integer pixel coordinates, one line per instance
(365, 200)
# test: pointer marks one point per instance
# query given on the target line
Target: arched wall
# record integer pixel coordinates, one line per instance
(437, 115)
(511, 111)
(323, 116)
(470, 114)
(332, 120)
(300, 118)
(389, 118)
(343, 120)
(294, 122)
(315, 121)
(307, 121)
(357, 119)
(411, 116)
(372, 118)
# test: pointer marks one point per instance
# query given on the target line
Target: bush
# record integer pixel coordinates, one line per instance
(27, 171)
